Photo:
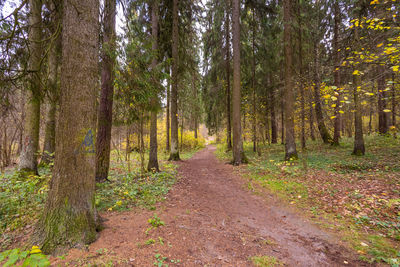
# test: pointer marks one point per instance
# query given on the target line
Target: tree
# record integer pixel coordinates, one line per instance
(28, 157)
(238, 153)
(359, 147)
(52, 85)
(69, 218)
(153, 160)
(228, 77)
(288, 91)
(336, 130)
(104, 121)
(174, 153)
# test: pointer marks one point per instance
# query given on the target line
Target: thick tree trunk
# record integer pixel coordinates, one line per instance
(383, 117)
(28, 157)
(238, 153)
(336, 74)
(69, 218)
(228, 81)
(104, 122)
(174, 155)
(326, 138)
(288, 92)
(153, 160)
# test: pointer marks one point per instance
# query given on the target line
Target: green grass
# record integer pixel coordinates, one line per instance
(356, 196)
(265, 261)
(22, 198)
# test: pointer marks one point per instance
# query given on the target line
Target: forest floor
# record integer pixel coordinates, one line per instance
(211, 218)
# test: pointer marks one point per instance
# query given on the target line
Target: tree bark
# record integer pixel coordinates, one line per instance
(174, 155)
(326, 137)
(167, 121)
(104, 122)
(383, 117)
(393, 102)
(53, 92)
(238, 153)
(28, 157)
(301, 79)
(228, 81)
(359, 147)
(153, 160)
(311, 118)
(336, 74)
(69, 218)
(253, 83)
(288, 92)
(274, 127)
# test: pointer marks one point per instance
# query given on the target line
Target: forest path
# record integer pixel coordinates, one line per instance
(212, 220)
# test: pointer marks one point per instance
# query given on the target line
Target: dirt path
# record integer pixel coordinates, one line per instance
(211, 220)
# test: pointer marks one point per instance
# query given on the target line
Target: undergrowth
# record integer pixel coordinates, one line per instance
(22, 197)
(359, 197)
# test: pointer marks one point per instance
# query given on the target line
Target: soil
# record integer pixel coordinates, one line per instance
(211, 219)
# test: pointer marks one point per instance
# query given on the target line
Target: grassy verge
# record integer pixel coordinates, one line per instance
(359, 197)
(22, 198)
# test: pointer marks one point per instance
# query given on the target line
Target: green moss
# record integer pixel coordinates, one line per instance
(174, 157)
(65, 227)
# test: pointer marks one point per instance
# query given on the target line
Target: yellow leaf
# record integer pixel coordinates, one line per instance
(395, 68)
(386, 110)
(379, 45)
(356, 72)
(35, 250)
(332, 117)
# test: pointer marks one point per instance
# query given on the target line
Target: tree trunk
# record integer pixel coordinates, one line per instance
(238, 154)
(393, 102)
(336, 74)
(104, 122)
(167, 128)
(69, 218)
(50, 129)
(253, 83)
(323, 131)
(28, 157)
(153, 160)
(359, 148)
(301, 79)
(274, 128)
(288, 92)
(282, 119)
(228, 81)
(174, 155)
(311, 118)
(383, 117)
